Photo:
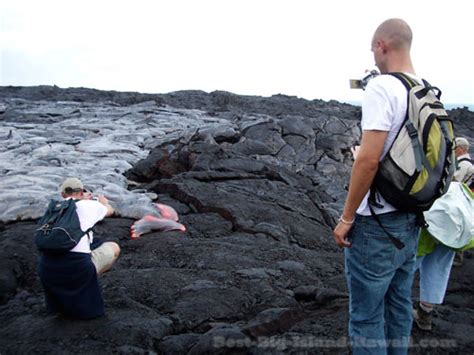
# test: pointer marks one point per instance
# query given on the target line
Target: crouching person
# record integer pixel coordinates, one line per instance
(69, 275)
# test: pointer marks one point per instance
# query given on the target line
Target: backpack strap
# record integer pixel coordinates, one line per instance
(373, 202)
(417, 149)
(410, 83)
(420, 222)
(397, 242)
(405, 79)
(465, 159)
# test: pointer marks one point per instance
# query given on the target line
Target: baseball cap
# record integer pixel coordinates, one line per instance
(71, 185)
(462, 142)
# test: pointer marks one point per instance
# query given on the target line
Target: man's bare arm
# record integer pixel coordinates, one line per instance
(363, 173)
(103, 200)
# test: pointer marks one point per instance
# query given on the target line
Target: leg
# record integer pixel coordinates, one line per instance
(434, 274)
(398, 304)
(369, 271)
(105, 256)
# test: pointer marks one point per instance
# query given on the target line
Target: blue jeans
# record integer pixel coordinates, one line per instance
(379, 278)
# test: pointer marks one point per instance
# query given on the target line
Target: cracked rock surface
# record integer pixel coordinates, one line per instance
(258, 183)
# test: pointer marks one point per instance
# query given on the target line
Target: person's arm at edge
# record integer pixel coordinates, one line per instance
(363, 173)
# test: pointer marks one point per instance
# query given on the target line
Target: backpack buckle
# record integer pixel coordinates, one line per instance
(412, 132)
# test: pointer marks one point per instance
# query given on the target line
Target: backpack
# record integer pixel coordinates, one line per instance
(419, 165)
(469, 181)
(59, 230)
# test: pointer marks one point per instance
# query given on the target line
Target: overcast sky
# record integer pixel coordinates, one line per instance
(305, 48)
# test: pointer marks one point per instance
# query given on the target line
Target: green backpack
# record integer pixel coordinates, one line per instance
(419, 165)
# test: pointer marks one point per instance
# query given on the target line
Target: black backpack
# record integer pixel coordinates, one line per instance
(59, 230)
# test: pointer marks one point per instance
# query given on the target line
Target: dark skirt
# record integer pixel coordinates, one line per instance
(70, 285)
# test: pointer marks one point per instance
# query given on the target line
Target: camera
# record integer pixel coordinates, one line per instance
(362, 83)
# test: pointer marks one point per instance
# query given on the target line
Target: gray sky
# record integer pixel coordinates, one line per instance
(305, 48)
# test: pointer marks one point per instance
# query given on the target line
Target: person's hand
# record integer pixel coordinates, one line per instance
(103, 200)
(355, 151)
(340, 234)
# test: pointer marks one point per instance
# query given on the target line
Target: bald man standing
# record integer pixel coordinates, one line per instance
(379, 276)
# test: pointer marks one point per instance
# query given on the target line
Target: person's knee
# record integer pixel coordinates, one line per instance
(116, 248)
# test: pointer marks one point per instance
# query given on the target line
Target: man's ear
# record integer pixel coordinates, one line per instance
(383, 46)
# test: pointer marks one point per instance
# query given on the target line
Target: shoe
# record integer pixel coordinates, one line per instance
(457, 263)
(422, 318)
(458, 258)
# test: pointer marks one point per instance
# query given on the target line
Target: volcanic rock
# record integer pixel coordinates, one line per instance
(258, 183)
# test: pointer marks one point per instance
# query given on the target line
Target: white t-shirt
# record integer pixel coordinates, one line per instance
(90, 212)
(383, 109)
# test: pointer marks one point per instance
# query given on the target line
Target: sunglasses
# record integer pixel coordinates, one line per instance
(70, 190)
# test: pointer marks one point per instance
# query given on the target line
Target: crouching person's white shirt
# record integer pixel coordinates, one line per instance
(90, 212)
